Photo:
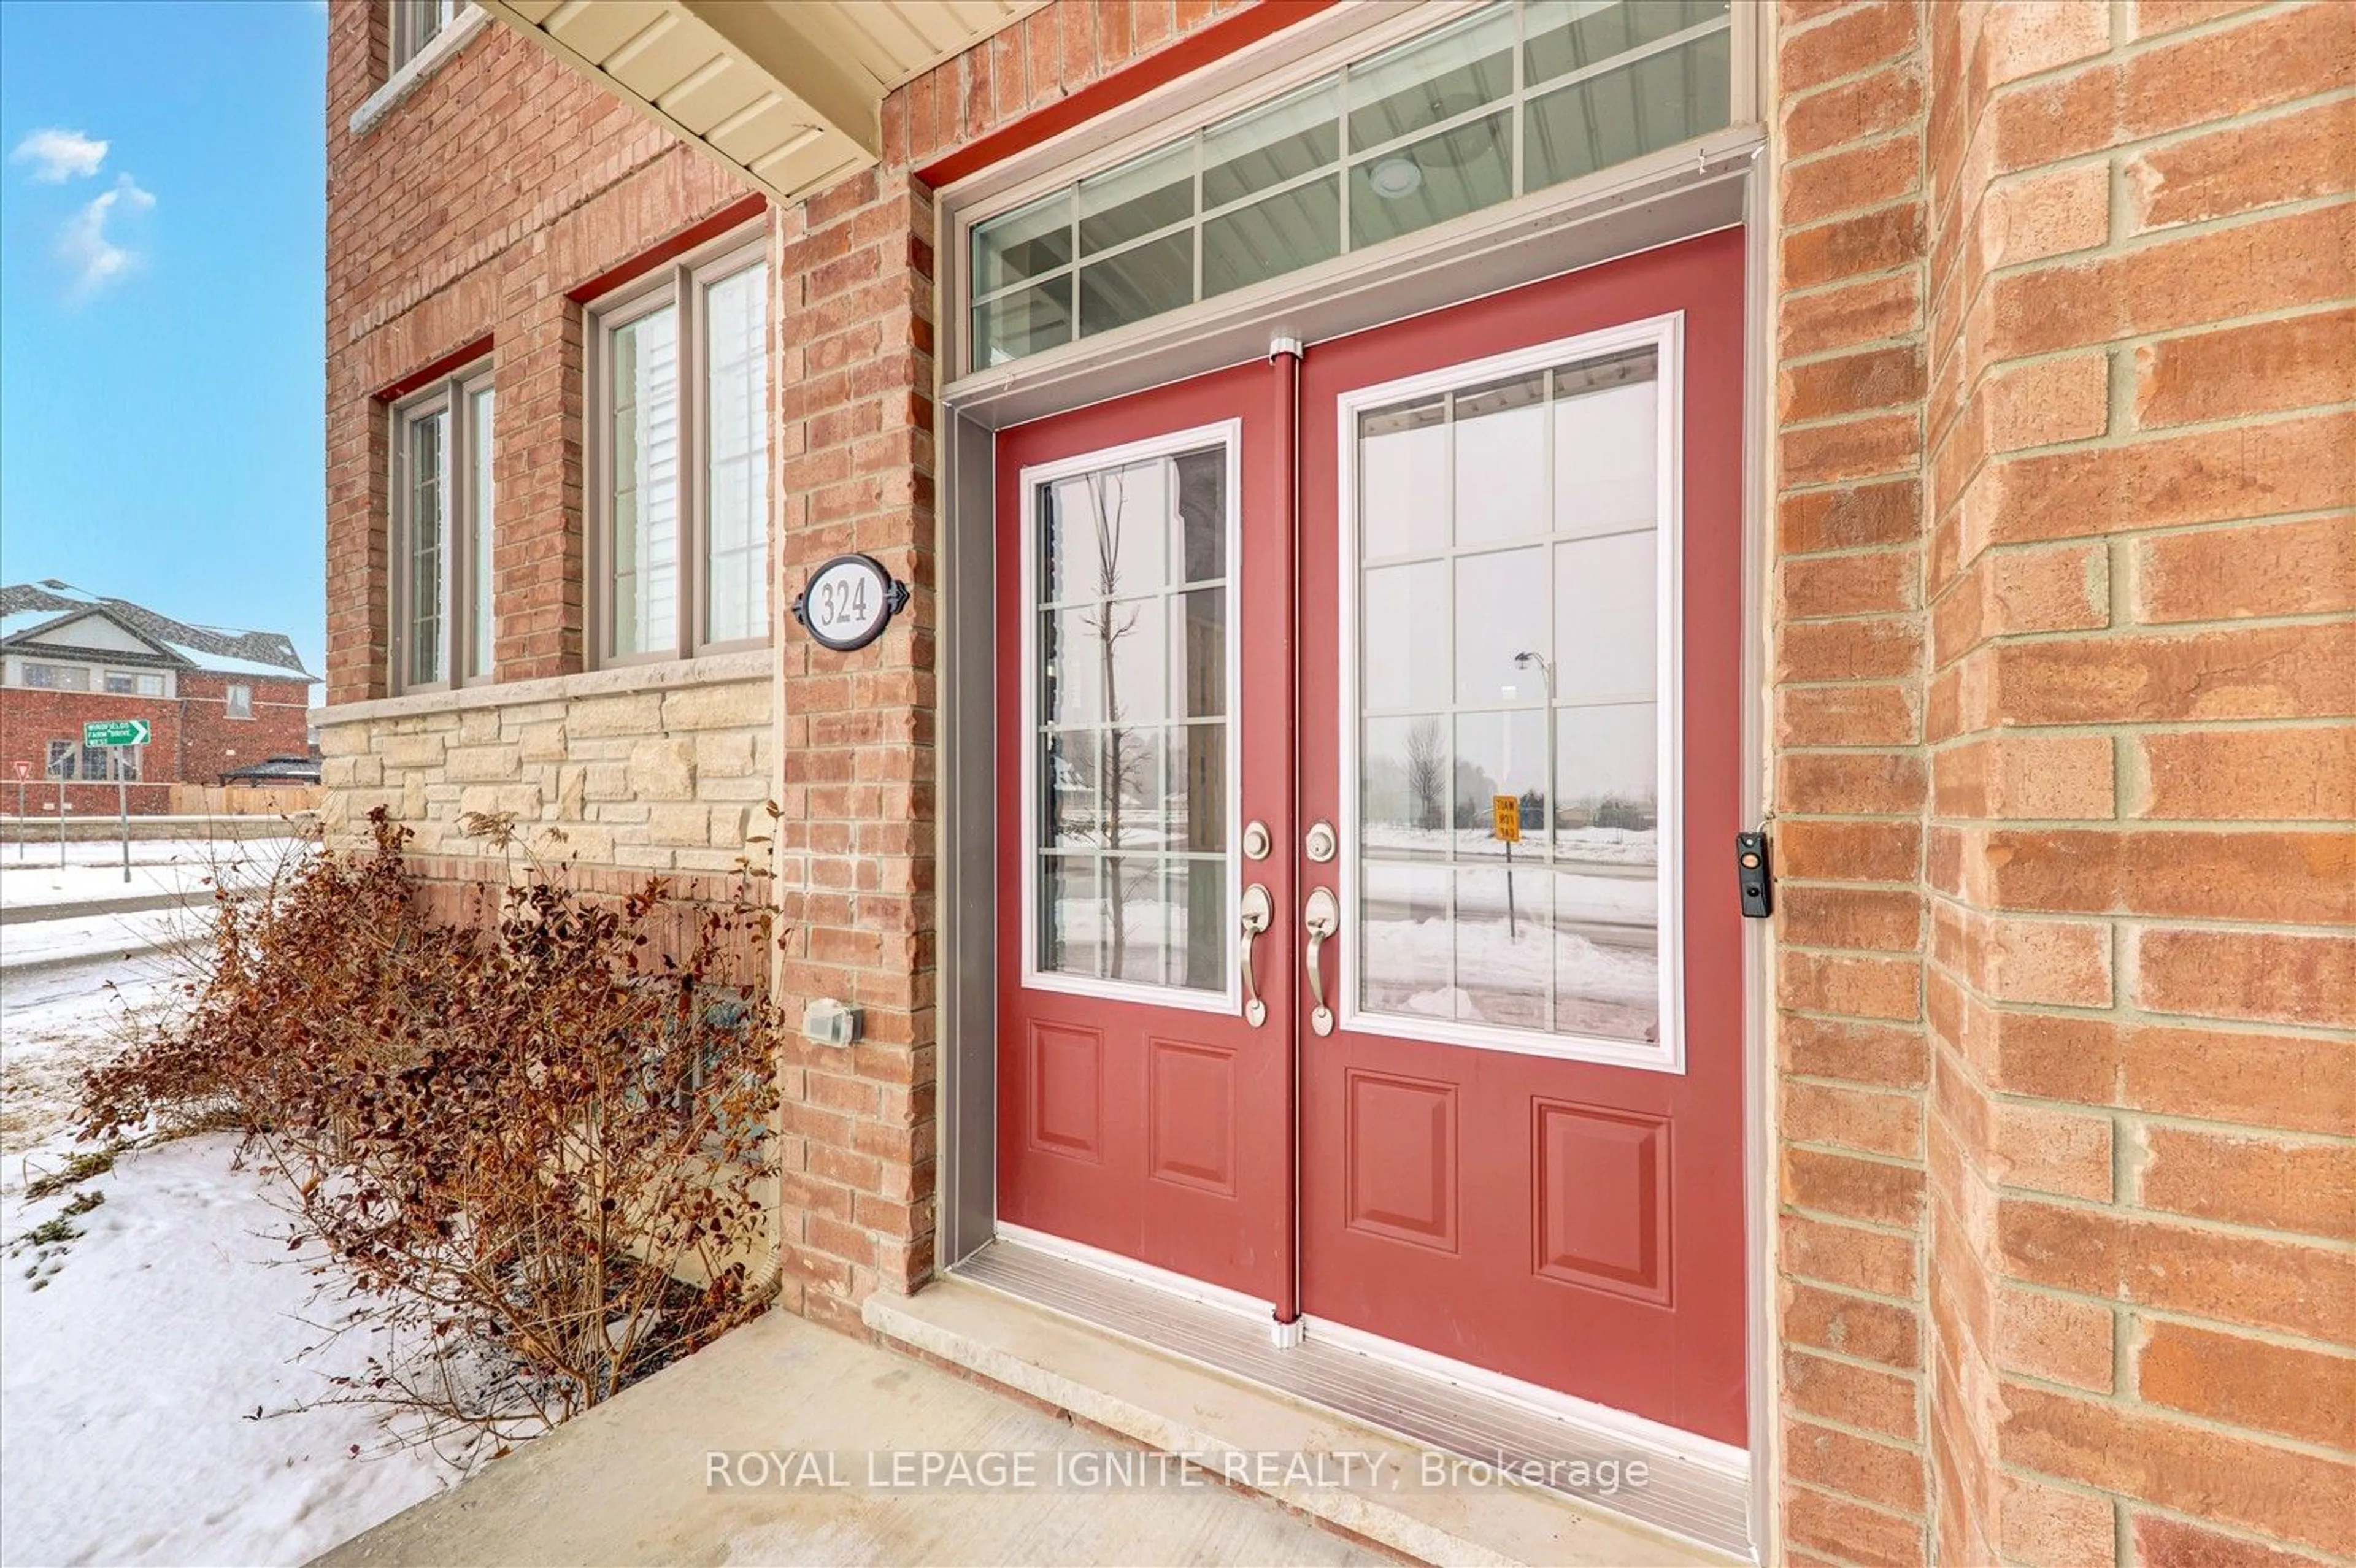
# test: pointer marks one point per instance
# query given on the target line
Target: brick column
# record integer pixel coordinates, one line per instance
(2141, 980)
(1851, 780)
(857, 842)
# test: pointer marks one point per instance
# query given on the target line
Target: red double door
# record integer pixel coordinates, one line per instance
(1369, 943)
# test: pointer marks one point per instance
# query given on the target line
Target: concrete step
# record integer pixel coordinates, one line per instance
(1245, 1430)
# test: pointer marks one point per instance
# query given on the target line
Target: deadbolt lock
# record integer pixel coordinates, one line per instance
(1320, 844)
(1257, 842)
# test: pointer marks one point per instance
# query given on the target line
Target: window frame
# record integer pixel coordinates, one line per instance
(229, 696)
(138, 679)
(25, 669)
(1227, 436)
(685, 284)
(118, 764)
(1181, 135)
(452, 396)
(404, 41)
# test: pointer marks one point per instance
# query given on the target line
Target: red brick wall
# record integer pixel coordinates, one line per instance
(2141, 570)
(1850, 783)
(470, 210)
(193, 739)
(857, 842)
(2065, 591)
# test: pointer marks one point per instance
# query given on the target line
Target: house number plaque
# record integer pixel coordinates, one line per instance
(849, 602)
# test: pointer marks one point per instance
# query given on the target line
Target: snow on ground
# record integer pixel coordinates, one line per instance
(131, 1365)
(41, 855)
(133, 1355)
(137, 935)
(189, 870)
(53, 1025)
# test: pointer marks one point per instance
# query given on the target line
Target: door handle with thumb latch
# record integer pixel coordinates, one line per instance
(1258, 914)
(1321, 919)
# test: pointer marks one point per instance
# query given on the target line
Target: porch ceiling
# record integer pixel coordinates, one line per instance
(790, 92)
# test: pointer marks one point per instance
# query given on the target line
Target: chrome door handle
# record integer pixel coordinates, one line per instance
(1321, 919)
(1259, 913)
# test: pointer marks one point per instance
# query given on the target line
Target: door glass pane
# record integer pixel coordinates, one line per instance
(1403, 479)
(429, 489)
(1501, 614)
(1405, 620)
(644, 544)
(1132, 617)
(1606, 425)
(736, 456)
(1501, 479)
(1528, 673)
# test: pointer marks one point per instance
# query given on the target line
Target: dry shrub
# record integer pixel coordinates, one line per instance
(539, 1152)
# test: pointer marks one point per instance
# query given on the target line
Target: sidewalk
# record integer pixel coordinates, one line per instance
(627, 1483)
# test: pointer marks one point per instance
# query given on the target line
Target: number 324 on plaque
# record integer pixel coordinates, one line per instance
(848, 602)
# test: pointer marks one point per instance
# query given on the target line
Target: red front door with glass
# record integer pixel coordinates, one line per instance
(1144, 653)
(1482, 693)
(1522, 1138)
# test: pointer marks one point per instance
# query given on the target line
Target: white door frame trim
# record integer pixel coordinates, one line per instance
(1621, 213)
(1228, 435)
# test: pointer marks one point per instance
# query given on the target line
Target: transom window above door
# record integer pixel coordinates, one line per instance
(1519, 96)
(679, 420)
(1129, 655)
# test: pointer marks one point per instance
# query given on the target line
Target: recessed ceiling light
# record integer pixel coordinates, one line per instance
(1395, 177)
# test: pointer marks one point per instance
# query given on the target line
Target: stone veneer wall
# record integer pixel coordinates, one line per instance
(647, 769)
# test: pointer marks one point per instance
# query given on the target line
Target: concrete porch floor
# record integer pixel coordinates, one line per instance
(627, 1482)
(630, 1483)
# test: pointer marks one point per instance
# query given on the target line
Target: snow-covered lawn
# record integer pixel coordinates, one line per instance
(139, 939)
(130, 1381)
(93, 872)
(135, 1355)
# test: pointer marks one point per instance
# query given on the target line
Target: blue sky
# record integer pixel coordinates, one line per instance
(161, 374)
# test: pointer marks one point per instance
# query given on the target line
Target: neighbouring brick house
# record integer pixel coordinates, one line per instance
(1386, 493)
(215, 701)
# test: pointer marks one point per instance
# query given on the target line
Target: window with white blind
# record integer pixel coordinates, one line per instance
(442, 534)
(678, 397)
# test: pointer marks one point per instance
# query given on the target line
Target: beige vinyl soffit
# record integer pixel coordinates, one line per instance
(788, 92)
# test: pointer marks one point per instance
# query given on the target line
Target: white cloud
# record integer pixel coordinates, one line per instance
(59, 156)
(84, 245)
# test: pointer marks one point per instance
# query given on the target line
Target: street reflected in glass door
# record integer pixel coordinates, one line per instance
(1509, 678)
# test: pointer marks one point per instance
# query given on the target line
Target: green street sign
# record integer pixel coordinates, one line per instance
(115, 732)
